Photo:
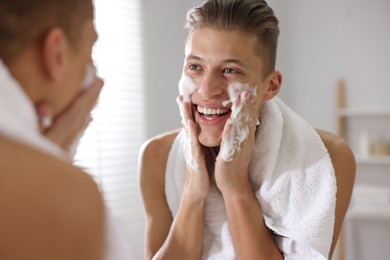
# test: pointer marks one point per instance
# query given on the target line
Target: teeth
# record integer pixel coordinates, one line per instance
(212, 111)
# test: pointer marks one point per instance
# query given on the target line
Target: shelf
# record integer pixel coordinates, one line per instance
(374, 160)
(348, 112)
(369, 213)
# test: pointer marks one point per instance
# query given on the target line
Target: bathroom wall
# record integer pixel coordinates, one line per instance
(164, 36)
(324, 41)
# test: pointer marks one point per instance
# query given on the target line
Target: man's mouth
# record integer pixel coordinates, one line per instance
(211, 114)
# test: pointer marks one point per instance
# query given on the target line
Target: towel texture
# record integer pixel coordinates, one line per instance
(19, 122)
(293, 178)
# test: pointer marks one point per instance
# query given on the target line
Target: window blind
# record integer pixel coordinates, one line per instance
(110, 145)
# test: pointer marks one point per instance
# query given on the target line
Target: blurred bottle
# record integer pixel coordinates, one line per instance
(364, 145)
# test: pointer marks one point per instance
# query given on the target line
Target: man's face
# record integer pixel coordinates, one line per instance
(77, 61)
(214, 59)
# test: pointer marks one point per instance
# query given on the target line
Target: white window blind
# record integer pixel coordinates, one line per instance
(109, 147)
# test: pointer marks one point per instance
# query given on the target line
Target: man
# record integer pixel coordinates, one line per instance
(49, 208)
(249, 179)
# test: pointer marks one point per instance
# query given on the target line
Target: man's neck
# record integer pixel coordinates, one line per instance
(28, 72)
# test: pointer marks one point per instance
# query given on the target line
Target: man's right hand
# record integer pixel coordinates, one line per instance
(198, 180)
(70, 124)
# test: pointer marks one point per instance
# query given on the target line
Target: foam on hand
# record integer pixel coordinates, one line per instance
(90, 76)
(240, 121)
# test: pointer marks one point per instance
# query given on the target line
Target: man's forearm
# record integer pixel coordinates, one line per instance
(184, 240)
(251, 237)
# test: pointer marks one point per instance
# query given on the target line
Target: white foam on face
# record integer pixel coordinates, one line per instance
(240, 121)
(186, 88)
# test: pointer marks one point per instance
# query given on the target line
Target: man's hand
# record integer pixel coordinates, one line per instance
(70, 124)
(232, 176)
(198, 180)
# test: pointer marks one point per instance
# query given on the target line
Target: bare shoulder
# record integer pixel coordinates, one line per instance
(342, 157)
(154, 152)
(47, 203)
(152, 164)
(345, 169)
(160, 143)
(341, 154)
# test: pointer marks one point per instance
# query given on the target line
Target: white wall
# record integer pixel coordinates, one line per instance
(323, 41)
(164, 37)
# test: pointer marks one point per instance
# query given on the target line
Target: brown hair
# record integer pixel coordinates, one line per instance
(251, 16)
(23, 23)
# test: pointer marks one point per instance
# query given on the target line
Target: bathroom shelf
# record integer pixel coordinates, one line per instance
(367, 213)
(374, 160)
(344, 115)
(348, 112)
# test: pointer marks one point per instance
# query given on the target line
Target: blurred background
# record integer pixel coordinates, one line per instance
(335, 59)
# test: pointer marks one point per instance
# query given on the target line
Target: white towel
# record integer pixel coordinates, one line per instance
(18, 121)
(293, 177)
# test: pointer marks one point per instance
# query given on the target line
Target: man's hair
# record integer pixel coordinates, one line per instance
(25, 22)
(250, 16)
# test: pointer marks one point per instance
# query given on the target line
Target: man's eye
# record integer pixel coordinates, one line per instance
(230, 71)
(194, 67)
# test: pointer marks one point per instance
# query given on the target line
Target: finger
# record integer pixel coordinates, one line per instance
(179, 99)
(249, 117)
(45, 116)
(66, 136)
(194, 150)
(182, 113)
(193, 137)
(74, 119)
(188, 111)
(185, 108)
(227, 149)
(227, 130)
(80, 109)
(87, 98)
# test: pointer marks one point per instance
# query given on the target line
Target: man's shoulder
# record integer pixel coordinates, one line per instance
(40, 193)
(344, 165)
(24, 169)
(334, 143)
(340, 153)
(160, 145)
(19, 160)
(153, 159)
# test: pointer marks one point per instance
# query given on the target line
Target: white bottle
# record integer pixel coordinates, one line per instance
(364, 145)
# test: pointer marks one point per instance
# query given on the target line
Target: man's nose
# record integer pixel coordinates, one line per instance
(210, 86)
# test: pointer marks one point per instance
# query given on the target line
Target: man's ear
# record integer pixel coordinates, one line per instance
(274, 84)
(54, 53)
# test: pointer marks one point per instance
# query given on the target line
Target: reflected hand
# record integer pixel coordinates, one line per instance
(68, 126)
